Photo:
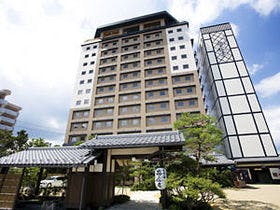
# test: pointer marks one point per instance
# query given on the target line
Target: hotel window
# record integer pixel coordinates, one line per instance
(82, 82)
(179, 29)
(135, 47)
(123, 122)
(187, 78)
(178, 91)
(101, 89)
(157, 35)
(135, 64)
(83, 73)
(182, 46)
(135, 74)
(160, 71)
(149, 62)
(175, 68)
(93, 54)
(124, 86)
(135, 96)
(159, 61)
(124, 109)
(162, 93)
(135, 85)
(150, 94)
(151, 120)
(95, 46)
(89, 81)
(84, 64)
(111, 88)
(90, 71)
(110, 100)
(163, 105)
(177, 79)
(125, 98)
(164, 119)
(180, 38)
(158, 51)
(92, 62)
(86, 101)
(151, 106)
(135, 39)
(135, 122)
(98, 124)
(86, 56)
(87, 90)
(174, 58)
(185, 66)
(78, 102)
(88, 48)
(150, 82)
(157, 42)
(135, 108)
(80, 92)
(161, 81)
(171, 39)
(109, 111)
(100, 101)
(184, 56)
(180, 103)
(189, 90)
(192, 103)
(170, 31)
(108, 123)
(172, 48)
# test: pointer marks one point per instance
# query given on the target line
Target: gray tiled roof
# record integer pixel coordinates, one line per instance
(171, 138)
(220, 160)
(49, 157)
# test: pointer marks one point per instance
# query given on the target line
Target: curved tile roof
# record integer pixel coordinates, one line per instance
(171, 138)
(49, 157)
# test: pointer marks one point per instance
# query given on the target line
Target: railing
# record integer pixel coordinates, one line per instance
(6, 119)
(8, 111)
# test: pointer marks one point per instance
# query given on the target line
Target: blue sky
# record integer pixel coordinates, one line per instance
(40, 49)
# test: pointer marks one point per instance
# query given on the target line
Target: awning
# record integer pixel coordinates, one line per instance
(220, 160)
(66, 157)
(171, 138)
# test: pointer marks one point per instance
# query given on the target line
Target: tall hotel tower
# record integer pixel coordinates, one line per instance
(135, 76)
(230, 95)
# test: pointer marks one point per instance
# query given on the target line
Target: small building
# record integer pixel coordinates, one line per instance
(8, 112)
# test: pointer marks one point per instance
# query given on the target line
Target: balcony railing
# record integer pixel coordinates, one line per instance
(8, 120)
(8, 111)
(6, 127)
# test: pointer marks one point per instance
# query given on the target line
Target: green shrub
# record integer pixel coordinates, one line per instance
(119, 199)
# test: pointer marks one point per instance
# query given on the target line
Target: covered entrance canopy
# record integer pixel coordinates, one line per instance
(93, 184)
(66, 157)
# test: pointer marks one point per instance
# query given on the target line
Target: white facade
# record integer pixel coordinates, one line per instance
(230, 95)
(180, 49)
(82, 93)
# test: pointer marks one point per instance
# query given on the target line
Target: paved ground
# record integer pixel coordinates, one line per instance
(253, 197)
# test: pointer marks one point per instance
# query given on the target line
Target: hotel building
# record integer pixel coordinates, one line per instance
(8, 112)
(134, 76)
(230, 95)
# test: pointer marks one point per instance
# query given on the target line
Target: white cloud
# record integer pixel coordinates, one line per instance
(40, 47)
(272, 115)
(255, 68)
(265, 7)
(201, 12)
(269, 86)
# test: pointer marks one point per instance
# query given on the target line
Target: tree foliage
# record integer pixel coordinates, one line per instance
(10, 144)
(143, 173)
(201, 134)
